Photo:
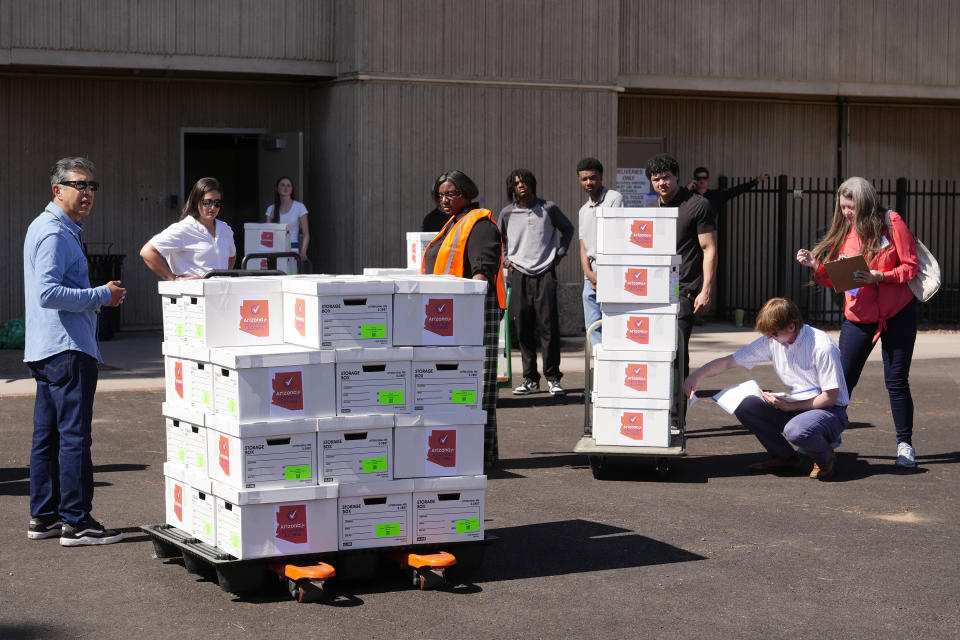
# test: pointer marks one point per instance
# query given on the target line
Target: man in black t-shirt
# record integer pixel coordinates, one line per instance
(696, 243)
(718, 197)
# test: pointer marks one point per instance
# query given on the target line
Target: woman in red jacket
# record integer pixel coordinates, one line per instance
(883, 306)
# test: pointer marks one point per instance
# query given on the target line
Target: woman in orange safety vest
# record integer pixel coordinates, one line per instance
(469, 246)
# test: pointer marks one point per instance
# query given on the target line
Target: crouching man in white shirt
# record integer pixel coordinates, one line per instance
(806, 360)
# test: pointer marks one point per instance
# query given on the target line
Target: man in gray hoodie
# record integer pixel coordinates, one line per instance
(536, 235)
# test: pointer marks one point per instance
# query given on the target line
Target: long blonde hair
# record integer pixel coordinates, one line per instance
(868, 221)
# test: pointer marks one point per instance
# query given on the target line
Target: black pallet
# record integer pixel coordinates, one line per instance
(247, 576)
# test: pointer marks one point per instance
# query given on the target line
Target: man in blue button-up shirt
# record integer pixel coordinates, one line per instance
(62, 354)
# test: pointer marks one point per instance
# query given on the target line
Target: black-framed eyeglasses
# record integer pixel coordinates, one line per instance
(212, 203)
(82, 185)
(701, 177)
(453, 195)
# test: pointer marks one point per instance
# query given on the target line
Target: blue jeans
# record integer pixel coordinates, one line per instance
(61, 468)
(812, 430)
(591, 311)
(896, 343)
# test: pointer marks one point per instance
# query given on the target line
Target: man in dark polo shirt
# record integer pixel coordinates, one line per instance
(718, 197)
(696, 243)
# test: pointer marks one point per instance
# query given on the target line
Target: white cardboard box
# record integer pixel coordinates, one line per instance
(287, 265)
(355, 448)
(390, 272)
(631, 423)
(416, 243)
(449, 509)
(172, 311)
(644, 327)
(265, 237)
(259, 455)
(447, 378)
(375, 514)
(187, 447)
(276, 522)
(227, 312)
(203, 514)
(637, 231)
(428, 445)
(332, 312)
(438, 310)
(638, 279)
(275, 382)
(633, 374)
(371, 381)
(178, 486)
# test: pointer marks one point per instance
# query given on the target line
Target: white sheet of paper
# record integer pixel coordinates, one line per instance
(693, 400)
(731, 397)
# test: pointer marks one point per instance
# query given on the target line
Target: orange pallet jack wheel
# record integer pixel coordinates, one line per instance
(428, 570)
(304, 583)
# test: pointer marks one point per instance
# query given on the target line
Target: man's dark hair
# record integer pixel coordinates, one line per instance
(590, 164)
(467, 188)
(701, 170)
(526, 177)
(661, 163)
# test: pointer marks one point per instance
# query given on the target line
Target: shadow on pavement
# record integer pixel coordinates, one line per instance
(15, 481)
(571, 547)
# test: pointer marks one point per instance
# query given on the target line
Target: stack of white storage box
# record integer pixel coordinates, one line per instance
(268, 237)
(308, 414)
(637, 288)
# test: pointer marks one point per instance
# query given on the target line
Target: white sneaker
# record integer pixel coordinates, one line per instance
(555, 388)
(906, 455)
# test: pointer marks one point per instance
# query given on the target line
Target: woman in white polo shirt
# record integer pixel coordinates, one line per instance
(198, 243)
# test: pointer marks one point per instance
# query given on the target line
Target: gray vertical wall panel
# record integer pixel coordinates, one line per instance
(270, 29)
(859, 41)
(407, 133)
(131, 130)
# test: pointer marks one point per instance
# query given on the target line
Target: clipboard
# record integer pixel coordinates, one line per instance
(841, 272)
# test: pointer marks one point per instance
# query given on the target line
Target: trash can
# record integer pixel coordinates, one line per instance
(103, 268)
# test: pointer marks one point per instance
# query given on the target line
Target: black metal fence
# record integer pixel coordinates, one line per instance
(761, 230)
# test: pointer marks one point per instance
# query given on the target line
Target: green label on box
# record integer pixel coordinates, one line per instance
(206, 398)
(468, 525)
(207, 528)
(372, 465)
(297, 472)
(201, 461)
(198, 331)
(390, 397)
(388, 530)
(463, 396)
(232, 406)
(235, 541)
(373, 331)
(182, 455)
(178, 328)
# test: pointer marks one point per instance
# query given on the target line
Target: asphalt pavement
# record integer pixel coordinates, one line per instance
(708, 551)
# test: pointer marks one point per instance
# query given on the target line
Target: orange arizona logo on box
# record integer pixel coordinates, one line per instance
(292, 523)
(178, 501)
(439, 316)
(178, 378)
(641, 233)
(300, 316)
(636, 282)
(442, 445)
(638, 329)
(288, 390)
(631, 425)
(225, 454)
(266, 239)
(636, 377)
(255, 317)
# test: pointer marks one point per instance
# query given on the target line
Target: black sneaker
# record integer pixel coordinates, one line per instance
(88, 533)
(39, 529)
